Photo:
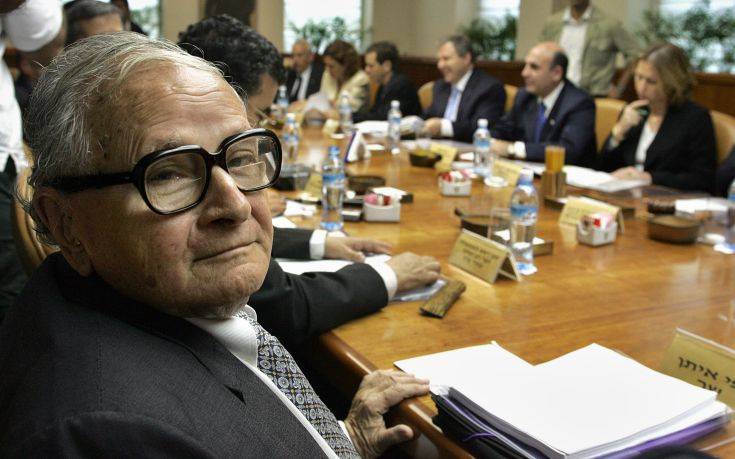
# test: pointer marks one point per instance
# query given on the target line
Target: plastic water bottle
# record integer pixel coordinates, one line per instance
(345, 113)
(731, 192)
(291, 138)
(394, 126)
(523, 216)
(333, 190)
(282, 103)
(483, 160)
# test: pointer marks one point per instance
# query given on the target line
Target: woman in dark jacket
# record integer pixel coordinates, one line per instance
(663, 138)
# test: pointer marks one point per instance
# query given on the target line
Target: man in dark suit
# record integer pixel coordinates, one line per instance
(463, 95)
(305, 77)
(381, 65)
(136, 339)
(297, 307)
(550, 110)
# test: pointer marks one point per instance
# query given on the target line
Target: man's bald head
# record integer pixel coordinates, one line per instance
(301, 55)
(546, 67)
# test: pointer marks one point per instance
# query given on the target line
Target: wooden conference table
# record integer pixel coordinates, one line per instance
(629, 296)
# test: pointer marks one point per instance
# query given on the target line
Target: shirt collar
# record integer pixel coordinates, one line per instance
(306, 73)
(462, 83)
(568, 19)
(551, 99)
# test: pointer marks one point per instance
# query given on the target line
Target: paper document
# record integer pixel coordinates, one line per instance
(283, 222)
(586, 403)
(373, 128)
(583, 177)
(294, 208)
(318, 101)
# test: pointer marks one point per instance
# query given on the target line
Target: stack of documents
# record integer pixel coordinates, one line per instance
(589, 403)
(582, 177)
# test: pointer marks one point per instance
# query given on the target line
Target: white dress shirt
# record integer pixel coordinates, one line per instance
(240, 338)
(645, 141)
(572, 40)
(29, 27)
(447, 129)
(304, 84)
(549, 101)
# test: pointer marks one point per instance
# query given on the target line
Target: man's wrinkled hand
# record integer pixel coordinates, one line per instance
(413, 270)
(378, 392)
(353, 248)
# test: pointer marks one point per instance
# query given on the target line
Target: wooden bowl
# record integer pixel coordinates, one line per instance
(424, 160)
(670, 228)
(361, 184)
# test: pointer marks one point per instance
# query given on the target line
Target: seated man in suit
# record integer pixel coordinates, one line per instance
(381, 66)
(305, 77)
(297, 307)
(549, 110)
(463, 95)
(136, 339)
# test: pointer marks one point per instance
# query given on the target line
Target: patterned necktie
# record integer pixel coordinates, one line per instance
(450, 112)
(540, 121)
(278, 364)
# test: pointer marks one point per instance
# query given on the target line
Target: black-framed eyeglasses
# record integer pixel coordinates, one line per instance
(177, 179)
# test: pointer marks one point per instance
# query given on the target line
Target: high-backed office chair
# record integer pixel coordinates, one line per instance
(724, 133)
(31, 250)
(426, 94)
(510, 96)
(606, 115)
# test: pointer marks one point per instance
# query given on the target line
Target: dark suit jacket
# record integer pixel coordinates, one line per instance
(682, 155)
(314, 83)
(398, 88)
(87, 372)
(570, 123)
(483, 97)
(295, 308)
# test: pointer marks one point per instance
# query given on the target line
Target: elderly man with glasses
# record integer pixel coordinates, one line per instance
(136, 339)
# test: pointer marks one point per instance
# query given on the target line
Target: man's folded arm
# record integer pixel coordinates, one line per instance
(295, 308)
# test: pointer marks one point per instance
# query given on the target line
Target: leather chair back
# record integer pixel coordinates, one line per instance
(510, 96)
(426, 95)
(606, 115)
(724, 133)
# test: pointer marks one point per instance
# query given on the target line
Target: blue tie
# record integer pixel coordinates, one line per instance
(450, 112)
(540, 121)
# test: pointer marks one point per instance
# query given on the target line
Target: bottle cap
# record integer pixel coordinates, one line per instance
(526, 176)
(395, 104)
(482, 122)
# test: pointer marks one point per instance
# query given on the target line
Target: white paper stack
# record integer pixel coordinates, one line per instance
(588, 403)
(583, 177)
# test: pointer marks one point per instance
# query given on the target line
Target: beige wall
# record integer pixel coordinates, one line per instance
(268, 20)
(178, 14)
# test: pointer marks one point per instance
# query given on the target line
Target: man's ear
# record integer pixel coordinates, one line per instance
(56, 214)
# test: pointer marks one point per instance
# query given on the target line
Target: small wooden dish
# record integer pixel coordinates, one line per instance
(361, 184)
(670, 228)
(424, 160)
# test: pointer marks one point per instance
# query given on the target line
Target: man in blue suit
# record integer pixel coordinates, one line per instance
(463, 95)
(550, 110)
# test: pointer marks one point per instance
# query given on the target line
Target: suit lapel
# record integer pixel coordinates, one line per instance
(467, 94)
